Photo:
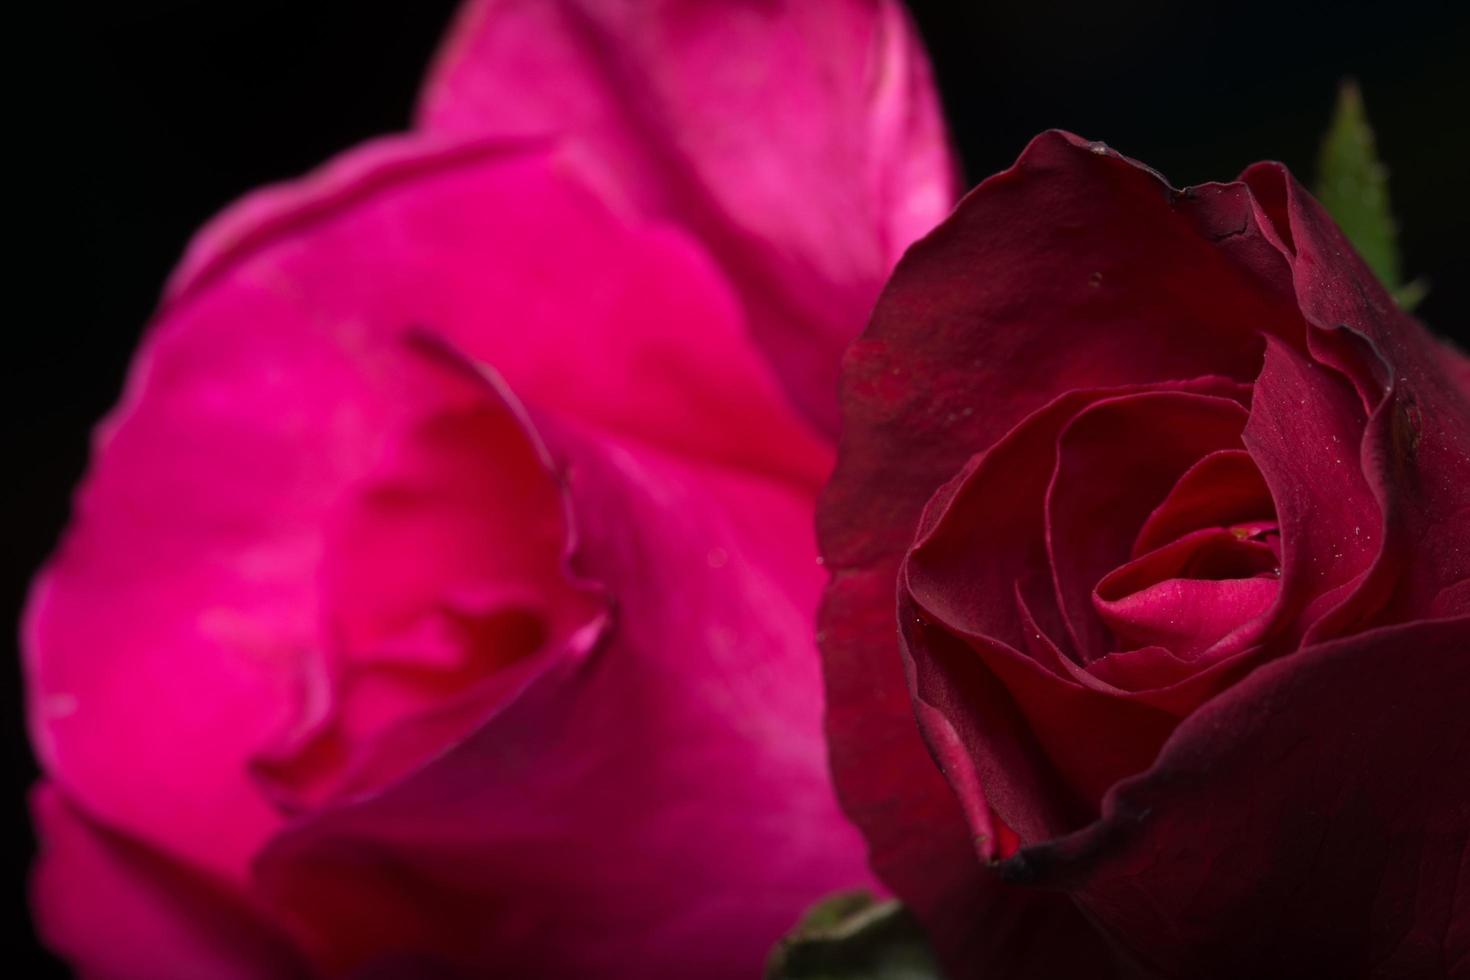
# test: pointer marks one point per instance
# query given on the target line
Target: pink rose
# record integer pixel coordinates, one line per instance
(440, 596)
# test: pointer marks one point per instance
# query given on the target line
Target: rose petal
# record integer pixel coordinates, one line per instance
(989, 318)
(1153, 675)
(1045, 746)
(500, 248)
(1188, 616)
(616, 820)
(1459, 367)
(116, 910)
(443, 590)
(1191, 594)
(704, 112)
(258, 401)
(1416, 450)
(1323, 790)
(1211, 554)
(1304, 430)
(1222, 489)
(182, 626)
(1150, 668)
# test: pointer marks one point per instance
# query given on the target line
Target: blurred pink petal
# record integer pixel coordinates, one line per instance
(802, 140)
(661, 810)
(504, 249)
(118, 911)
(182, 622)
(316, 573)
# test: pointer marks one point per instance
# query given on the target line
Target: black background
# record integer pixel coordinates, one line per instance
(152, 114)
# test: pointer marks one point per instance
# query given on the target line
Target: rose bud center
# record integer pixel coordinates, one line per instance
(1206, 561)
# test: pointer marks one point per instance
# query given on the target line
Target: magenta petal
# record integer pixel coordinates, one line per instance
(617, 820)
(264, 398)
(116, 910)
(289, 477)
(803, 140)
(1324, 789)
(1188, 616)
(443, 585)
(497, 247)
(1190, 594)
(184, 626)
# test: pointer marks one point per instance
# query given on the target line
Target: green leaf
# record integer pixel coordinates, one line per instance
(1352, 184)
(853, 936)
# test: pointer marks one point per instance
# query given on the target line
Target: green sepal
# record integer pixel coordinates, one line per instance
(1352, 184)
(853, 936)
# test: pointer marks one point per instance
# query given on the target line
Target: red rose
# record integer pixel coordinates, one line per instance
(1177, 506)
